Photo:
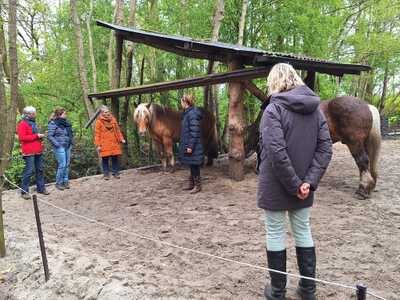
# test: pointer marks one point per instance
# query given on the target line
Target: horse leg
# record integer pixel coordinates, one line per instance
(168, 146)
(360, 155)
(161, 153)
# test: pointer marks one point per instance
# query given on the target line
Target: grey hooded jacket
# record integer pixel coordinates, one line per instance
(295, 147)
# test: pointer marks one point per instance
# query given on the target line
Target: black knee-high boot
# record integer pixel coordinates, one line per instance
(277, 289)
(306, 260)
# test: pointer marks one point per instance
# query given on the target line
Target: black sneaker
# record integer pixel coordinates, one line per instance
(44, 192)
(66, 186)
(116, 176)
(106, 177)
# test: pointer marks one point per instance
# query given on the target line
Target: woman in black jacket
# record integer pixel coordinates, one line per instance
(191, 151)
(296, 149)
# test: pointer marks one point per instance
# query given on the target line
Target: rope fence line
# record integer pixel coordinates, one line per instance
(190, 250)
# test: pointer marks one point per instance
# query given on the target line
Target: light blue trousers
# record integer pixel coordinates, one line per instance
(275, 225)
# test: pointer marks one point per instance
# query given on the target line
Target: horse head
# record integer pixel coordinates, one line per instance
(142, 117)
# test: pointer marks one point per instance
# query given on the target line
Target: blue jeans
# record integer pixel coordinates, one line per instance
(33, 162)
(115, 165)
(63, 157)
(276, 232)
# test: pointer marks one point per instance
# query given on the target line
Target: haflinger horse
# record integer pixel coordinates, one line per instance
(164, 127)
(356, 124)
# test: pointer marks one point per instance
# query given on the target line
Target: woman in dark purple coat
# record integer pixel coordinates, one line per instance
(296, 149)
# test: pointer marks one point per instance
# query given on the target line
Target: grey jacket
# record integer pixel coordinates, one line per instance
(295, 147)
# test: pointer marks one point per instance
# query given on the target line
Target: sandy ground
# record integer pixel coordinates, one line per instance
(357, 241)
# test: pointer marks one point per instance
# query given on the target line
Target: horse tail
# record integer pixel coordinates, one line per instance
(373, 142)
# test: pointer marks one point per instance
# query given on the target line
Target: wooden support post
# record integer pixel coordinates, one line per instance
(41, 240)
(310, 80)
(361, 292)
(236, 125)
(117, 74)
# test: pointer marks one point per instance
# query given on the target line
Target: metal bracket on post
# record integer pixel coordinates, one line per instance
(361, 292)
(41, 241)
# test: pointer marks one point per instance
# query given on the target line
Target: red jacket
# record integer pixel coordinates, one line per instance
(30, 142)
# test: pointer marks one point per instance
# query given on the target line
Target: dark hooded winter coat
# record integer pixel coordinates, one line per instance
(295, 148)
(191, 137)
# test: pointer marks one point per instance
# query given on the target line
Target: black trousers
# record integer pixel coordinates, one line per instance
(114, 162)
(195, 170)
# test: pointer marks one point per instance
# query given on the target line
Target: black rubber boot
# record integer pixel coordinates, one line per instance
(197, 185)
(306, 260)
(189, 184)
(277, 289)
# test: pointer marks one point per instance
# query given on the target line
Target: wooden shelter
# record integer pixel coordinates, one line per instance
(244, 64)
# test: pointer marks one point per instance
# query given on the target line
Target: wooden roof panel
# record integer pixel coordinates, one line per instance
(189, 47)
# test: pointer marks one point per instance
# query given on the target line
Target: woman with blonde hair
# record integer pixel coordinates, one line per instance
(108, 138)
(296, 149)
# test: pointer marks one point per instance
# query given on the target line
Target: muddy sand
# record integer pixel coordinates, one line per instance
(357, 241)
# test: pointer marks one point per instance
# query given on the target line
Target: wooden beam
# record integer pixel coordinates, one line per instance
(215, 78)
(255, 91)
(236, 125)
(308, 64)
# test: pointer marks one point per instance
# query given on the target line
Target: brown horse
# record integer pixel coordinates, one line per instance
(164, 126)
(356, 124)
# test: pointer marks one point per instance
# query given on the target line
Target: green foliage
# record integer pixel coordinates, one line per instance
(347, 31)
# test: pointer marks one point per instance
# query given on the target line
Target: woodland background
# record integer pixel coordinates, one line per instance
(53, 54)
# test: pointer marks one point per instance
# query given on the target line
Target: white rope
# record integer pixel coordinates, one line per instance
(158, 241)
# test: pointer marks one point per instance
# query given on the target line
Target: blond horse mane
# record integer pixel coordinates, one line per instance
(141, 112)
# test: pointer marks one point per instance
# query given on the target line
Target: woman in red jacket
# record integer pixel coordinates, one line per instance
(32, 148)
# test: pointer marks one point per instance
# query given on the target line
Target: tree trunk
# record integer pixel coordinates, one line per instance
(384, 89)
(125, 112)
(242, 22)
(115, 70)
(8, 111)
(81, 59)
(217, 21)
(6, 68)
(91, 52)
(236, 126)
(211, 92)
(117, 75)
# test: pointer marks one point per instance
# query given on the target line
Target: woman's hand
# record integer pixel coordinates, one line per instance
(189, 150)
(123, 141)
(304, 191)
